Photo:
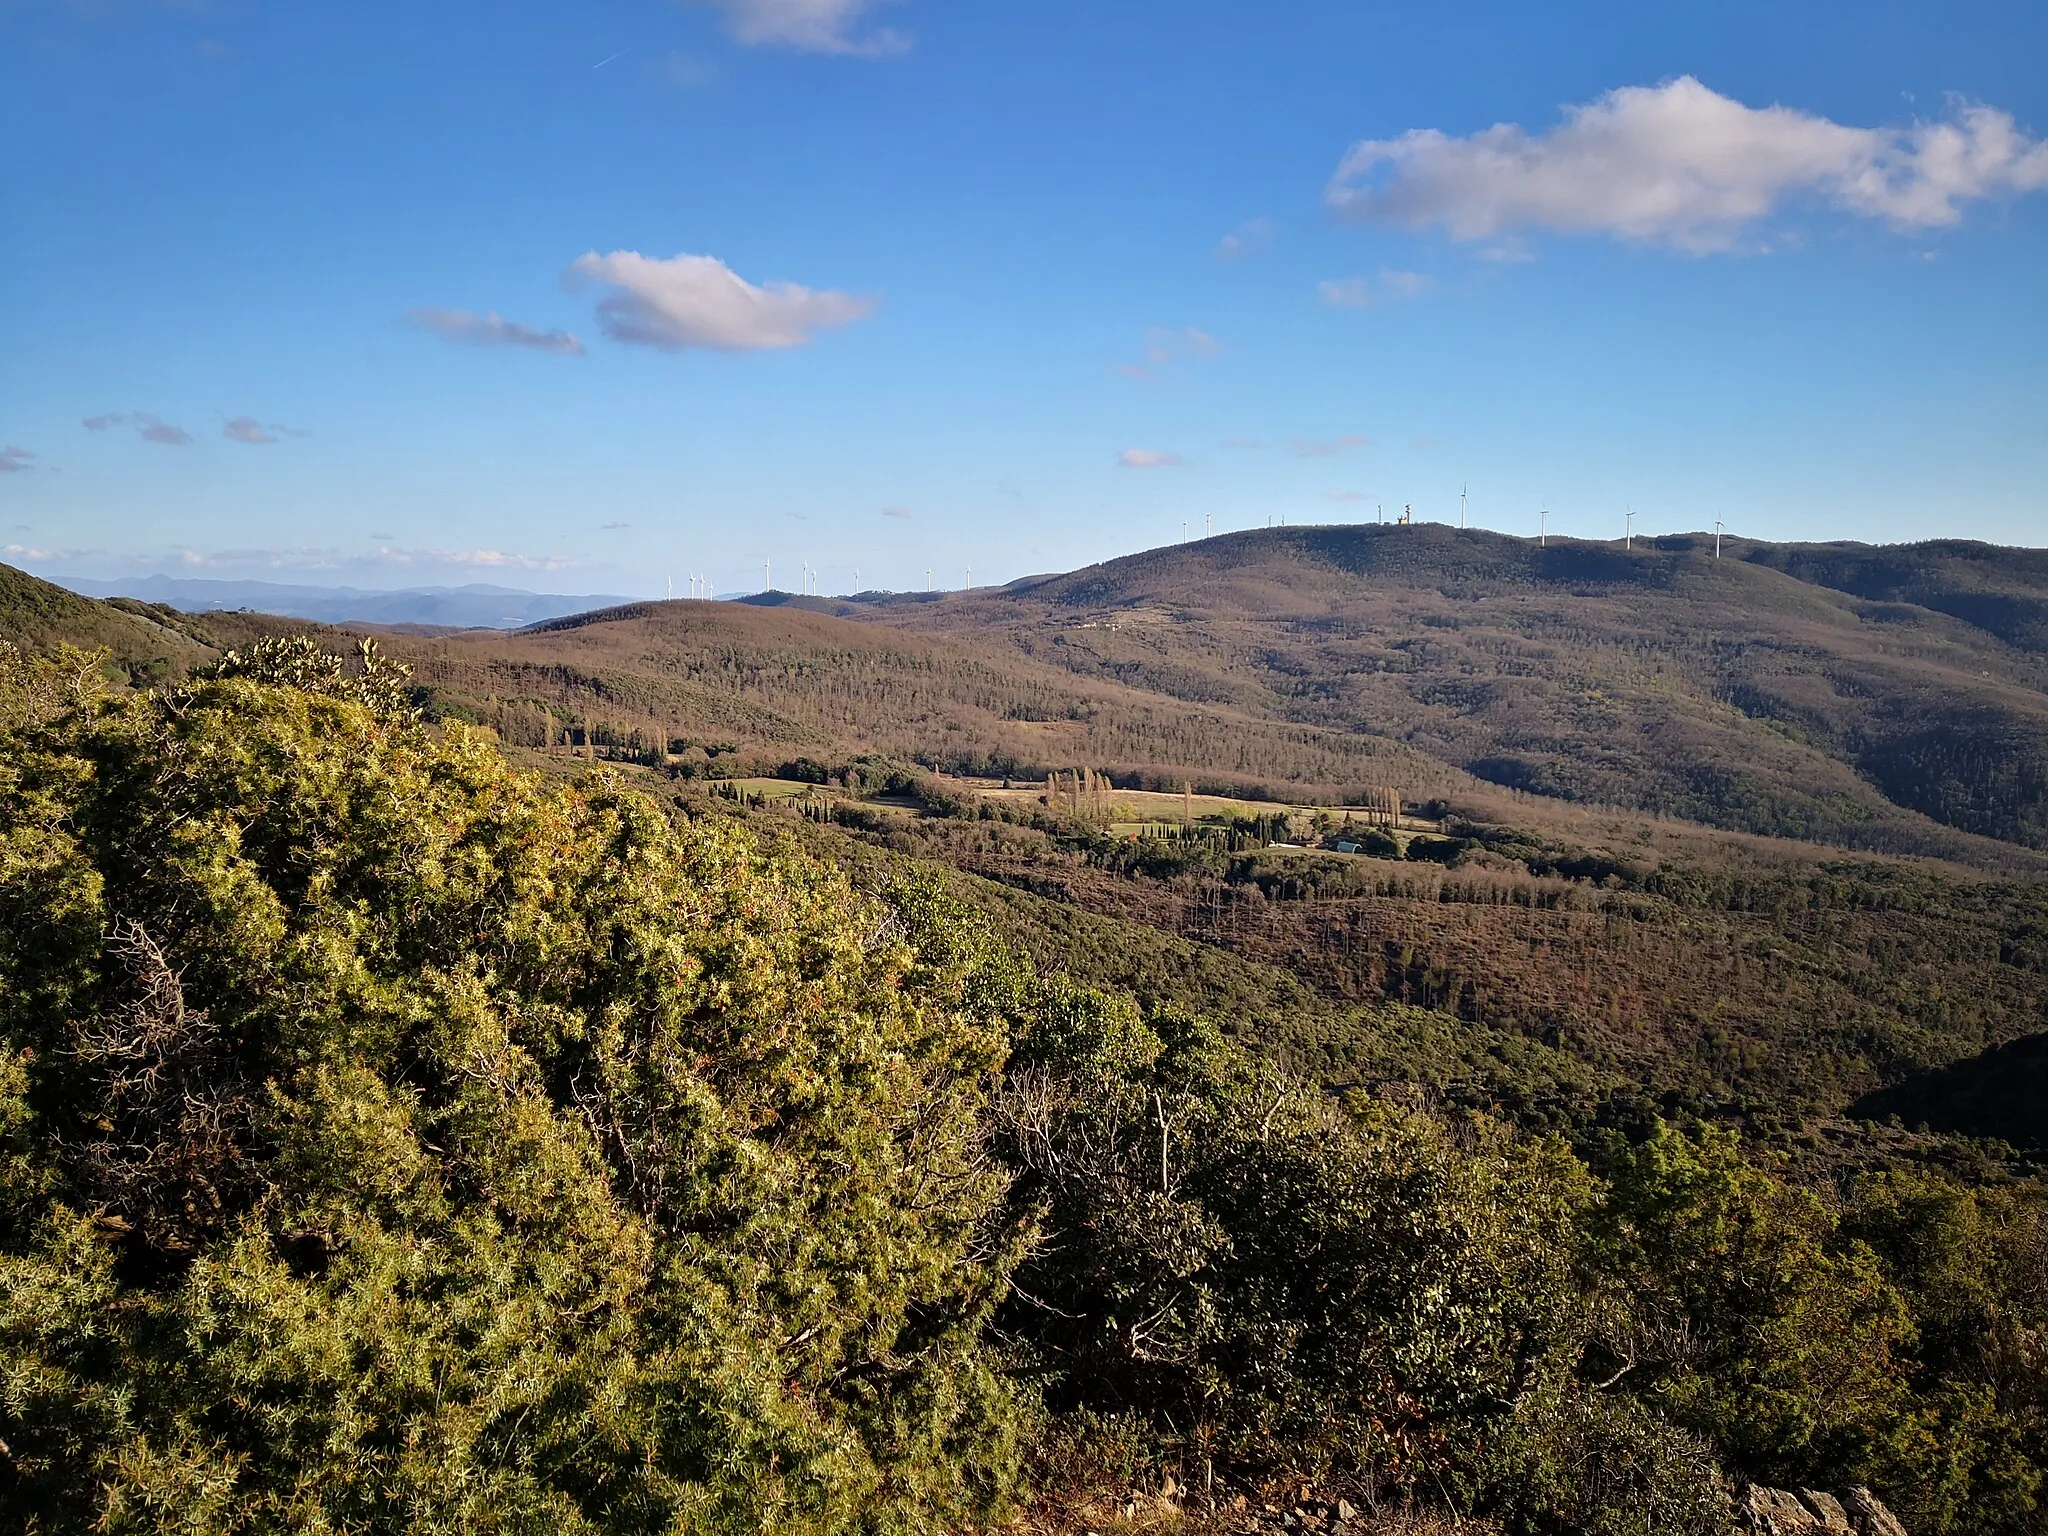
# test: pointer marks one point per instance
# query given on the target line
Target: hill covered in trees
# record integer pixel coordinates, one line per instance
(391, 1139)
(1788, 690)
(1653, 1115)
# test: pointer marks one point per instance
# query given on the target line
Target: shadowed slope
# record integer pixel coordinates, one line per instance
(1662, 678)
(37, 615)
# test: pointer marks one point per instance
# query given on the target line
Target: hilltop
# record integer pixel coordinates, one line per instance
(141, 643)
(1727, 691)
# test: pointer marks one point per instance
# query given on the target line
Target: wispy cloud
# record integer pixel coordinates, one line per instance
(1147, 458)
(1254, 237)
(811, 26)
(1170, 344)
(247, 429)
(491, 329)
(14, 460)
(386, 558)
(1314, 448)
(699, 302)
(902, 514)
(682, 70)
(1361, 293)
(153, 429)
(613, 527)
(1679, 164)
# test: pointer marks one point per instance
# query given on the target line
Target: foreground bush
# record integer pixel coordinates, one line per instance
(395, 1143)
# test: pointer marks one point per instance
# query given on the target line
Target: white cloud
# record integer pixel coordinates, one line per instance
(1362, 293)
(1681, 165)
(491, 329)
(811, 26)
(13, 460)
(698, 301)
(1254, 237)
(312, 559)
(1147, 458)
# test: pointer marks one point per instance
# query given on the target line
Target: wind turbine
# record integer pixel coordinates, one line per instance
(767, 575)
(1717, 538)
(969, 584)
(1628, 537)
(1543, 528)
(1461, 504)
(927, 578)
(1208, 524)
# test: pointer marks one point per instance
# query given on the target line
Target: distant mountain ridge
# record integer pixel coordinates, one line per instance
(478, 605)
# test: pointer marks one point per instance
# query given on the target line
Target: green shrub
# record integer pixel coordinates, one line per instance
(392, 1142)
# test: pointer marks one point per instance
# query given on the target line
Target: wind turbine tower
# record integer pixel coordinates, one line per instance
(1461, 504)
(1543, 528)
(1628, 537)
(1717, 538)
(767, 575)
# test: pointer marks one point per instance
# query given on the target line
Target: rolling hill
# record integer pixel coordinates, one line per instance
(1729, 691)
(1684, 859)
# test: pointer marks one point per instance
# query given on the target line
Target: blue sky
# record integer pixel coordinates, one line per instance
(593, 297)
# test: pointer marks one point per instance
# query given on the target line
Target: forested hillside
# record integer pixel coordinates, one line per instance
(1725, 691)
(684, 1067)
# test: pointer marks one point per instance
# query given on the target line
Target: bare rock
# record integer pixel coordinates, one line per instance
(1827, 1509)
(1868, 1516)
(1774, 1512)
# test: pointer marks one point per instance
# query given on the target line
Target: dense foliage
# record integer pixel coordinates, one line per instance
(394, 1142)
(389, 1140)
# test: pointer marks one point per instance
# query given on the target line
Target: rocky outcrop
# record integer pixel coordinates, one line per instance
(1811, 1512)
